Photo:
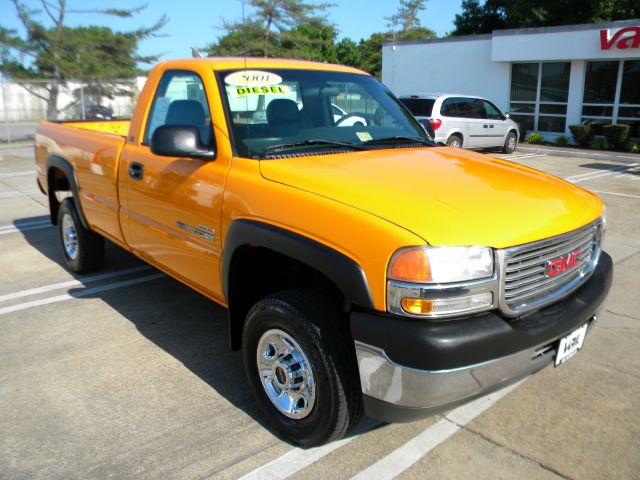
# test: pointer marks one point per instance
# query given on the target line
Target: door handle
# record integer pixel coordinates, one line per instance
(485, 126)
(490, 126)
(136, 170)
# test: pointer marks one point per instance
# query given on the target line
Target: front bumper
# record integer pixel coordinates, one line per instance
(414, 368)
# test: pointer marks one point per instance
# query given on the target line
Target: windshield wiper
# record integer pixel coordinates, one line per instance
(395, 140)
(311, 143)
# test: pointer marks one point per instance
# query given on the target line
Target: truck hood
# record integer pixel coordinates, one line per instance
(447, 196)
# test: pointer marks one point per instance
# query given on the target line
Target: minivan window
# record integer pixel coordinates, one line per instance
(463, 108)
(420, 107)
(492, 112)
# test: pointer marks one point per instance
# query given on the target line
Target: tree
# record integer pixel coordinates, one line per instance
(60, 53)
(407, 16)
(283, 28)
(405, 24)
(476, 19)
(348, 53)
(371, 54)
(498, 14)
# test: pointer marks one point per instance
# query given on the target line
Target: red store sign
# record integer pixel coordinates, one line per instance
(624, 38)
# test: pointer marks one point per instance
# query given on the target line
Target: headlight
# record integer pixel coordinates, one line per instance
(441, 264)
(441, 281)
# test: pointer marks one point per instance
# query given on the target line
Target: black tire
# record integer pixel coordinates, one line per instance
(455, 140)
(84, 252)
(321, 331)
(510, 142)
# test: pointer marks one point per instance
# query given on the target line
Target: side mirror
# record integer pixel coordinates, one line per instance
(180, 141)
(506, 115)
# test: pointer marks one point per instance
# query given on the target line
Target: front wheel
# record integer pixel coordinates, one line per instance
(510, 143)
(300, 364)
(82, 248)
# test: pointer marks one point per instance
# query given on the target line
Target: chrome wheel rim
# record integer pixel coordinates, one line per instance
(286, 374)
(69, 237)
(455, 142)
(512, 142)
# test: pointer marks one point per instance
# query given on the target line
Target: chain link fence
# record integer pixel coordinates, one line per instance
(23, 104)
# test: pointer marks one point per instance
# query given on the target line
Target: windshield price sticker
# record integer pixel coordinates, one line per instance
(364, 136)
(252, 78)
(262, 90)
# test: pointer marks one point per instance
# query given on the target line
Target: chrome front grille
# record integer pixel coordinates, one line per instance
(526, 282)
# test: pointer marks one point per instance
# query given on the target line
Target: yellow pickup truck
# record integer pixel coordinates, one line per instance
(365, 268)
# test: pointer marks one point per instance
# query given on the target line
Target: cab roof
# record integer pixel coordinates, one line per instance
(230, 63)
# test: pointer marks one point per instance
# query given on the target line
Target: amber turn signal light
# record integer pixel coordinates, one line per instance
(410, 265)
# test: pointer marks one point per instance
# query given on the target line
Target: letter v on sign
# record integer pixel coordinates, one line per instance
(621, 39)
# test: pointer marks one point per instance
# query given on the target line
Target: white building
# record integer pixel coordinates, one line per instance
(547, 78)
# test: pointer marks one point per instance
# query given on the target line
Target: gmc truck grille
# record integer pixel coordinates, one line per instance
(539, 273)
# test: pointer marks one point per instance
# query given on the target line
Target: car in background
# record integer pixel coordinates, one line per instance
(341, 118)
(464, 120)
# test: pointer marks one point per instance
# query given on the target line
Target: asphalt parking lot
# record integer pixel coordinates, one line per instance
(126, 373)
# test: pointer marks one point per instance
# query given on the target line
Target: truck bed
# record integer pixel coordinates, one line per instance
(93, 149)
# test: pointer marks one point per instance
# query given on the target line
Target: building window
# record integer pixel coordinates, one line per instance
(539, 94)
(629, 110)
(599, 94)
(612, 95)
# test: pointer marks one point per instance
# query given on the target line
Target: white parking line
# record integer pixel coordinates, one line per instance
(617, 194)
(82, 293)
(24, 227)
(22, 173)
(295, 460)
(583, 177)
(18, 194)
(393, 464)
(71, 283)
(404, 457)
(522, 157)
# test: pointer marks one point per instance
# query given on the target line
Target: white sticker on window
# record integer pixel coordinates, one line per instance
(364, 136)
(252, 78)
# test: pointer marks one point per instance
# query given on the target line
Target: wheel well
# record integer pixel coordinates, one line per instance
(57, 181)
(459, 135)
(256, 272)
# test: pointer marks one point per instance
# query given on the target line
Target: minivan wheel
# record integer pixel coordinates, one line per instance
(510, 143)
(300, 364)
(454, 141)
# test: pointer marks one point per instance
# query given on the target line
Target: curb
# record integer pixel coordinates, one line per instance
(567, 152)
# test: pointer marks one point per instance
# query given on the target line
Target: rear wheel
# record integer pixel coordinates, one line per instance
(300, 364)
(510, 143)
(455, 140)
(83, 249)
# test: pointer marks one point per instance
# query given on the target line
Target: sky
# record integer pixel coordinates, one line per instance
(196, 23)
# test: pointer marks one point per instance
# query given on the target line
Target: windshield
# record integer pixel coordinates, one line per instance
(300, 111)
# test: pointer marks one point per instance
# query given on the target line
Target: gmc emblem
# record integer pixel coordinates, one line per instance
(562, 264)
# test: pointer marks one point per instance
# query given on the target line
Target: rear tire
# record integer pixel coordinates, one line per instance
(510, 143)
(83, 249)
(299, 360)
(455, 140)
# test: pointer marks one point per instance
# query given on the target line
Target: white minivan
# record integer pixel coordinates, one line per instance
(464, 120)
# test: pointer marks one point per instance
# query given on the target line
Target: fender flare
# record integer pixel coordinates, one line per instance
(345, 273)
(55, 161)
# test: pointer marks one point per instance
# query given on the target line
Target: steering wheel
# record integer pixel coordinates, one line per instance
(359, 123)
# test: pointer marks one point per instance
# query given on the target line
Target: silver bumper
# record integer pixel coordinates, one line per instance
(401, 386)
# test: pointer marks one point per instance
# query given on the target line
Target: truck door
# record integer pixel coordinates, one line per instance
(171, 207)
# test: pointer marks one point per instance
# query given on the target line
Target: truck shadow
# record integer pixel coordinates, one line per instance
(180, 321)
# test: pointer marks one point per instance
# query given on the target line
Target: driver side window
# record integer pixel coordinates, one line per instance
(180, 100)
